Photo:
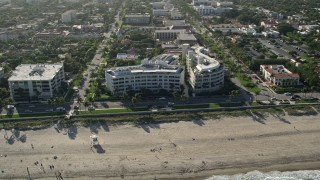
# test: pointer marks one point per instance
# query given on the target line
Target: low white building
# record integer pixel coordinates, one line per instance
(206, 73)
(157, 5)
(37, 82)
(225, 4)
(160, 12)
(137, 19)
(279, 75)
(154, 75)
(201, 2)
(224, 28)
(204, 10)
(271, 33)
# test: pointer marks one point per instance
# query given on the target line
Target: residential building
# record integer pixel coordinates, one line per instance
(155, 75)
(186, 39)
(7, 35)
(137, 19)
(157, 5)
(225, 4)
(279, 75)
(204, 10)
(68, 16)
(46, 35)
(206, 73)
(38, 82)
(175, 15)
(201, 2)
(160, 12)
(167, 35)
(1, 74)
(271, 33)
(225, 28)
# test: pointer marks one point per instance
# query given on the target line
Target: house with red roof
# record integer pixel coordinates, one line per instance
(279, 75)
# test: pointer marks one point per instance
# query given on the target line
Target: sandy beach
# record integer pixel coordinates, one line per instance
(159, 151)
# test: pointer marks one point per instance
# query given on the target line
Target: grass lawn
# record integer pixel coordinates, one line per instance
(248, 83)
(103, 111)
(211, 105)
(32, 115)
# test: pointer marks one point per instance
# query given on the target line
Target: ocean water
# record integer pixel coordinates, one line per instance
(274, 175)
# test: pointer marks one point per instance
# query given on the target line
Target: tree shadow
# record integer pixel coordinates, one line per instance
(104, 126)
(94, 128)
(105, 105)
(99, 148)
(10, 140)
(258, 117)
(198, 120)
(281, 118)
(23, 138)
(72, 131)
(146, 123)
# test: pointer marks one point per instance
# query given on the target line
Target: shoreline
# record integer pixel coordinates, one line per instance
(182, 150)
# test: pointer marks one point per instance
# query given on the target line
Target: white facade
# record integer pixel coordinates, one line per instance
(224, 4)
(35, 81)
(68, 16)
(279, 75)
(206, 73)
(175, 15)
(153, 75)
(137, 19)
(204, 10)
(167, 35)
(201, 2)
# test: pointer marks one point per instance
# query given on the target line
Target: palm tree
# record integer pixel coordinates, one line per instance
(257, 93)
(80, 101)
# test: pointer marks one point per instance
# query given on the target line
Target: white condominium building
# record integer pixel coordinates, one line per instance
(68, 16)
(35, 81)
(206, 73)
(155, 75)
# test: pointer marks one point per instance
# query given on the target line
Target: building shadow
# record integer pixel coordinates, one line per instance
(104, 126)
(198, 120)
(23, 138)
(258, 117)
(281, 118)
(72, 131)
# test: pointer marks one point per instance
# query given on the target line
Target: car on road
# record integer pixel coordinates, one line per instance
(274, 99)
(10, 107)
(287, 94)
(162, 98)
(60, 109)
(170, 103)
(76, 107)
(295, 96)
(91, 108)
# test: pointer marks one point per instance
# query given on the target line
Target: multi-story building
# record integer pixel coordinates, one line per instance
(35, 82)
(137, 19)
(206, 73)
(279, 75)
(155, 75)
(204, 10)
(160, 12)
(68, 16)
(201, 2)
(1, 74)
(168, 35)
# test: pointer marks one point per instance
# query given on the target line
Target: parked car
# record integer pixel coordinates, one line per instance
(287, 94)
(76, 107)
(91, 108)
(295, 96)
(274, 99)
(60, 109)
(162, 98)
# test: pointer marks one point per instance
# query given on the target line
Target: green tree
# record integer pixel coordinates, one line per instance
(284, 28)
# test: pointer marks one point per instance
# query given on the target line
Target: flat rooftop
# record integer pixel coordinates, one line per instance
(35, 72)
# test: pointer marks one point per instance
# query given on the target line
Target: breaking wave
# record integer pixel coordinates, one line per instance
(274, 175)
